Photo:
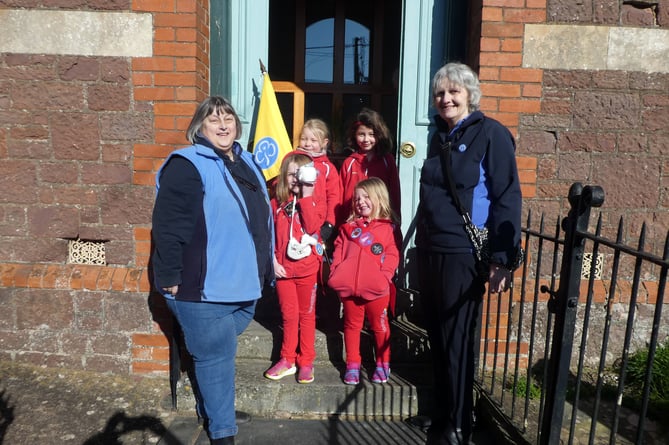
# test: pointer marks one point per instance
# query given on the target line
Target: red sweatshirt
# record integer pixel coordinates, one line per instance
(309, 217)
(365, 259)
(356, 168)
(328, 186)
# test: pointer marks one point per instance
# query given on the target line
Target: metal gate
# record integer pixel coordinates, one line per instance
(585, 316)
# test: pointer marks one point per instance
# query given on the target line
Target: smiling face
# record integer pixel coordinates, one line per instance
(452, 102)
(220, 129)
(311, 142)
(363, 205)
(364, 137)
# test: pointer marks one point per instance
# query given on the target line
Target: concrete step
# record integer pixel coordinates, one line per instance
(406, 393)
(328, 395)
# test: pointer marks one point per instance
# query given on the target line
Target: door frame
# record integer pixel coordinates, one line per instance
(427, 41)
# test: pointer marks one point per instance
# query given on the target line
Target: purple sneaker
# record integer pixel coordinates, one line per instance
(381, 374)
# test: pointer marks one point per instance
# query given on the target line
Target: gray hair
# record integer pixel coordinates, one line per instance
(209, 106)
(459, 74)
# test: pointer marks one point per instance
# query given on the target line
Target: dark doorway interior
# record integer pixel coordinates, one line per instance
(343, 54)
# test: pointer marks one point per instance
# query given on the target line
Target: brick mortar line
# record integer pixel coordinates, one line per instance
(74, 276)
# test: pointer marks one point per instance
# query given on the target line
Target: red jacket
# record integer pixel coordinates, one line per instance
(328, 186)
(309, 218)
(365, 259)
(356, 168)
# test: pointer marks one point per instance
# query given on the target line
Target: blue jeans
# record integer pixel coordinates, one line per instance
(210, 333)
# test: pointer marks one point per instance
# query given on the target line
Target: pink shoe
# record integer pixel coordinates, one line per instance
(352, 375)
(381, 374)
(282, 368)
(306, 374)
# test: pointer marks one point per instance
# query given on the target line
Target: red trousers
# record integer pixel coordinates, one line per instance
(377, 316)
(297, 300)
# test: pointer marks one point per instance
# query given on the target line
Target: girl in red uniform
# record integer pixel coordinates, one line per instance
(298, 218)
(363, 265)
(370, 137)
(314, 139)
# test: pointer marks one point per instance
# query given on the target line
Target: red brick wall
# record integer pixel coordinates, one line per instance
(80, 141)
(509, 90)
(609, 128)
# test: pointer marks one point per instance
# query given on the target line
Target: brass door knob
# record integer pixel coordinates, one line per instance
(407, 149)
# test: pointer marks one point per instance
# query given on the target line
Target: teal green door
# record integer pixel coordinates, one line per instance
(433, 32)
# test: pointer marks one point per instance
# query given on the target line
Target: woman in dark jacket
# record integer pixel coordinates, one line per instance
(479, 152)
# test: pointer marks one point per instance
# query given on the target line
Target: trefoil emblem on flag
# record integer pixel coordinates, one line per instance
(266, 152)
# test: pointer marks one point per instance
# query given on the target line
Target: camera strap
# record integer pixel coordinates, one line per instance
(292, 217)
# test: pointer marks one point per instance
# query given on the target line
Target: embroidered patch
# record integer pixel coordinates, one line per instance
(377, 249)
(366, 239)
(289, 208)
(356, 232)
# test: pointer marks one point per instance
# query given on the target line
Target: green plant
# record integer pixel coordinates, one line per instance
(522, 387)
(659, 382)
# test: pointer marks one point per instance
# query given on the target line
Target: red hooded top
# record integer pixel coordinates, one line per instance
(328, 185)
(365, 259)
(309, 216)
(356, 167)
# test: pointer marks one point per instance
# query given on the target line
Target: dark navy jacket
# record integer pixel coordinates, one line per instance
(483, 166)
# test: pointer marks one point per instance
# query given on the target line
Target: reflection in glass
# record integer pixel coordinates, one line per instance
(319, 52)
(356, 53)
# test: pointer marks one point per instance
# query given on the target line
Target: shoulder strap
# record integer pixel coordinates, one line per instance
(445, 158)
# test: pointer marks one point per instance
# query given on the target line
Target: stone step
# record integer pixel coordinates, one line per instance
(328, 395)
(406, 393)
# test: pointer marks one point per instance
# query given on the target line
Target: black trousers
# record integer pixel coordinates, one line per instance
(451, 295)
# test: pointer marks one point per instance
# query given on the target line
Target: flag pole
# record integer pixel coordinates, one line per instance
(263, 70)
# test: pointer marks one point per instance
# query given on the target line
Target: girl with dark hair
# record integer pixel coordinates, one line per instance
(370, 137)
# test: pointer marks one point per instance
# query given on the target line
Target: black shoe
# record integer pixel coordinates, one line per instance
(453, 437)
(421, 422)
(242, 417)
(230, 440)
(447, 437)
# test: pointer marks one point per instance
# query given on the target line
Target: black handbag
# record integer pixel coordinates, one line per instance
(477, 236)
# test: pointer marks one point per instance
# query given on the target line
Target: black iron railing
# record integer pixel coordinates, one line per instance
(556, 349)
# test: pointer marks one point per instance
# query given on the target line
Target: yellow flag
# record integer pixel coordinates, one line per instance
(271, 142)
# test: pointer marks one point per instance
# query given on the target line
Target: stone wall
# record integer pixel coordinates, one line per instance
(604, 117)
(86, 119)
(69, 128)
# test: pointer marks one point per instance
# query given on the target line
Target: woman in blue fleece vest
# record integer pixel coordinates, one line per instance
(212, 231)
(480, 151)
